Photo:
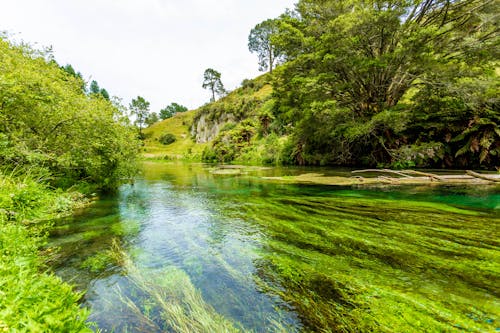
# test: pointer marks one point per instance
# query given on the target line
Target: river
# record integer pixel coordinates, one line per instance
(184, 249)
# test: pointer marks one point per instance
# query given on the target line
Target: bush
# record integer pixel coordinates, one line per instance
(46, 119)
(167, 138)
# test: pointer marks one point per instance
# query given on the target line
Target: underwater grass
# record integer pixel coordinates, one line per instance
(341, 260)
(354, 264)
(170, 301)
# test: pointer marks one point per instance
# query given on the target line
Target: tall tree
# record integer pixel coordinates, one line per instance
(356, 68)
(94, 87)
(368, 54)
(96, 90)
(152, 118)
(260, 41)
(139, 107)
(212, 81)
(171, 110)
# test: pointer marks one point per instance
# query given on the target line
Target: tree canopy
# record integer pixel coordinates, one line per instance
(364, 78)
(261, 42)
(170, 110)
(48, 122)
(139, 108)
(212, 81)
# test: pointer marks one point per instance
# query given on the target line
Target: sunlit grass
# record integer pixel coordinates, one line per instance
(31, 298)
(183, 148)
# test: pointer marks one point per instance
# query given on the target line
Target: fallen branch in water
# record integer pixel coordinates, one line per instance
(481, 176)
(384, 171)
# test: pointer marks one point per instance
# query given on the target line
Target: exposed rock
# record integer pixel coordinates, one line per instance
(205, 129)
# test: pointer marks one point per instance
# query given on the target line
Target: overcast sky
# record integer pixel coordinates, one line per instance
(158, 49)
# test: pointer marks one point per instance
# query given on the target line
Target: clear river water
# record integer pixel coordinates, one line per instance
(184, 249)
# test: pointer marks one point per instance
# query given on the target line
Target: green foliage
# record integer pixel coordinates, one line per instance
(230, 142)
(94, 87)
(47, 121)
(366, 81)
(170, 110)
(152, 118)
(167, 138)
(212, 81)
(260, 42)
(33, 300)
(139, 108)
(95, 90)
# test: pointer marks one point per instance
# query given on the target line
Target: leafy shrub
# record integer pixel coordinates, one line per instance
(167, 139)
(46, 119)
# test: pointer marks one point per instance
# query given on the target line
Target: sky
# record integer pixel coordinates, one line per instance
(157, 49)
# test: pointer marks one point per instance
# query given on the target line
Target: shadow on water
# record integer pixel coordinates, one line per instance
(186, 250)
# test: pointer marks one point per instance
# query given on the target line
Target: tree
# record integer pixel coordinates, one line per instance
(139, 107)
(358, 72)
(94, 87)
(171, 110)
(368, 54)
(212, 81)
(152, 118)
(260, 41)
(96, 90)
(48, 122)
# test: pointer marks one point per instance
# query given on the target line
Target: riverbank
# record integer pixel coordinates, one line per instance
(32, 298)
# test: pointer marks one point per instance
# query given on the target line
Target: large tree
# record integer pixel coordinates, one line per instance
(362, 74)
(212, 81)
(139, 107)
(170, 110)
(261, 42)
(368, 54)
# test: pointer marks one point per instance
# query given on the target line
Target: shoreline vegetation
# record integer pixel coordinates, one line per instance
(32, 298)
(60, 144)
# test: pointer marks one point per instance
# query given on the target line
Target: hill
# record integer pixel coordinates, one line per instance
(199, 133)
(182, 148)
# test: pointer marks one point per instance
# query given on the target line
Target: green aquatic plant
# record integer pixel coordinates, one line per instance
(351, 264)
(171, 302)
(289, 258)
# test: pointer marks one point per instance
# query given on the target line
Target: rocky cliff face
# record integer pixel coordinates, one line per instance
(205, 128)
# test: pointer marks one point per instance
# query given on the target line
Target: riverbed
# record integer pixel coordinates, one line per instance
(188, 249)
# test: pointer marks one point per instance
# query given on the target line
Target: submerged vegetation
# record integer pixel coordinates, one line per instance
(352, 266)
(242, 253)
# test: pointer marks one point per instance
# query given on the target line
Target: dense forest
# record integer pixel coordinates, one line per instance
(58, 143)
(370, 83)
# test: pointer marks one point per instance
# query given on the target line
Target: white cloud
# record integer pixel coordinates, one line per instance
(154, 48)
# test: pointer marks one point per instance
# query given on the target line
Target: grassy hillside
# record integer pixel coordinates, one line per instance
(247, 104)
(183, 148)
